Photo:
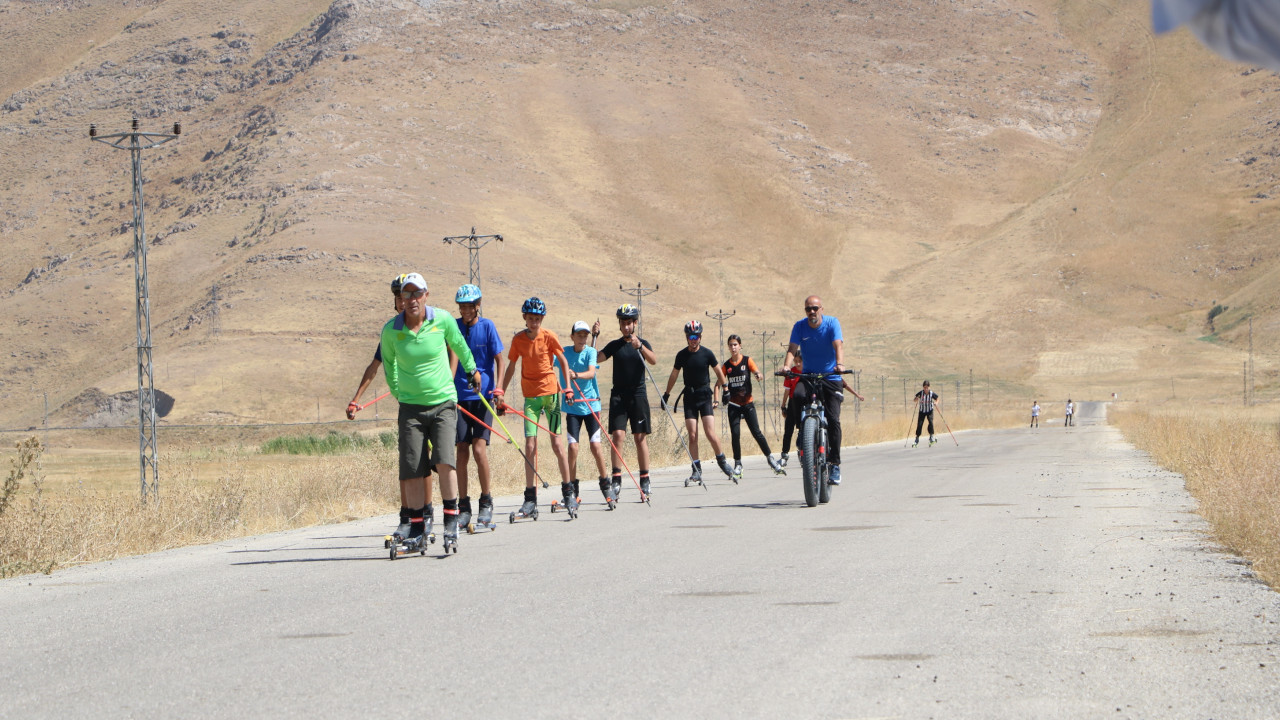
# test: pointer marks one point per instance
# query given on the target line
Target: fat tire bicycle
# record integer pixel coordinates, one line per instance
(811, 443)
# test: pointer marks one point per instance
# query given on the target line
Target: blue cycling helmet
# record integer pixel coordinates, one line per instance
(533, 306)
(467, 294)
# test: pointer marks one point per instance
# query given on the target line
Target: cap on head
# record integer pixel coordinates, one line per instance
(533, 306)
(413, 279)
(627, 311)
(693, 327)
(580, 326)
(395, 284)
(467, 294)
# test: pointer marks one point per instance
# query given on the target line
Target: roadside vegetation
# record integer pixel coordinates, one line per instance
(1232, 468)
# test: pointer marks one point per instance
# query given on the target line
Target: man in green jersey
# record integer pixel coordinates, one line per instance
(415, 360)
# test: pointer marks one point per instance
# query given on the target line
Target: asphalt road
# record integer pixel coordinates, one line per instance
(1052, 574)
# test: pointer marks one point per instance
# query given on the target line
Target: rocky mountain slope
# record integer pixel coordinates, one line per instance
(1040, 191)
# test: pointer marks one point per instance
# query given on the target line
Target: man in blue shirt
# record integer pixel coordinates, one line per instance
(819, 340)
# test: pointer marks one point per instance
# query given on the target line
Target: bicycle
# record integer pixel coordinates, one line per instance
(811, 443)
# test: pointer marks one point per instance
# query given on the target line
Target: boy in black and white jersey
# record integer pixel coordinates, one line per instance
(926, 400)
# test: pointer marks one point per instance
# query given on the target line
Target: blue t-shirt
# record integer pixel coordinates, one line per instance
(815, 344)
(580, 362)
(485, 345)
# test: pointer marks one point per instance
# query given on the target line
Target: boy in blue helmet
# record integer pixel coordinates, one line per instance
(473, 437)
(537, 349)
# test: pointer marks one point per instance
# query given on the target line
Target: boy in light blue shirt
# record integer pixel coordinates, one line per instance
(582, 405)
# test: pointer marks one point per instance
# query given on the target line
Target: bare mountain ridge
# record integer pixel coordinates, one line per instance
(1038, 190)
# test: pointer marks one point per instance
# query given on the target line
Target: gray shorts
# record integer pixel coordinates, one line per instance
(420, 424)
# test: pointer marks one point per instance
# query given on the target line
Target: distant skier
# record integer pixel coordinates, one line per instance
(926, 400)
(1035, 413)
(1071, 408)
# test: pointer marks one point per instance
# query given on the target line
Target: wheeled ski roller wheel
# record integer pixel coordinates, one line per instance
(394, 553)
(471, 528)
(512, 519)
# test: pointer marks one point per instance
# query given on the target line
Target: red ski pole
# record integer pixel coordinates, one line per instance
(509, 441)
(643, 497)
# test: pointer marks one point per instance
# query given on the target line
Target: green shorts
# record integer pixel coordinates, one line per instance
(535, 406)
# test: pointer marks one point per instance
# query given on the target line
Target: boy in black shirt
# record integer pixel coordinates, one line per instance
(628, 401)
(699, 398)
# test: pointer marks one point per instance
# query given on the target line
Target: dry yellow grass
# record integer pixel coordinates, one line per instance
(1232, 467)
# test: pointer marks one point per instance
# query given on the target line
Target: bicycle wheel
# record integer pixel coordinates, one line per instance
(824, 488)
(810, 472)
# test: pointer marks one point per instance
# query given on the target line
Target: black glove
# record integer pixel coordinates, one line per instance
(665, 397)
(724, 398)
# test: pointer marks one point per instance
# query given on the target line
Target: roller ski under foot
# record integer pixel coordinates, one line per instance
(528, 510)
(449, 542)
(606, 489)
(483, 520)
(644, 489)
(932, 440)
(404, 534)
(569, 503)
(776, 466)
(464, 514)
(402, 531)
(727, 469)
(695, 478)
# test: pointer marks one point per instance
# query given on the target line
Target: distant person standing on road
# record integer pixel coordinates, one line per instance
(415, 360)
(1035, 413)
(821, 340)
(1070, 421)
(926, 400)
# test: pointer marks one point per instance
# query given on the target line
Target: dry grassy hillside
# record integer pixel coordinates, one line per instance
(1038, 190)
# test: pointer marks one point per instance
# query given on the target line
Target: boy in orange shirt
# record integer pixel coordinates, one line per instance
(536, 349)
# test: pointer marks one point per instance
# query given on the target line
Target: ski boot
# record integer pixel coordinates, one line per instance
(696, 476)
(777, 466)
(833, 475)
(449, 541)
(570, 500)
(464, 515)
(606, 489)
(737, 469)
(727, 469)
(564, 501)
(530, 507)
(782, 462)
(485, 518)
(616, 481)
(644, 487)
(428, 523)
(401, 532)
(916, 443)
(932, 440)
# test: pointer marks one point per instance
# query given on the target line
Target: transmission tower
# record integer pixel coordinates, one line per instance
(638, 293)
(135, 141)
(472, 243)
(721, 315)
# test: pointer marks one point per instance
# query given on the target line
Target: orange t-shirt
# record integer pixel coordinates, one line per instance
(537, 355)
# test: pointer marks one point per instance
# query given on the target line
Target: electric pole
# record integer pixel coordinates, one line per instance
(135, 141)
(638, 293)
(472, 243)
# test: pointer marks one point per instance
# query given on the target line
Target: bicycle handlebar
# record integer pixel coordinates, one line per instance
(810, 375)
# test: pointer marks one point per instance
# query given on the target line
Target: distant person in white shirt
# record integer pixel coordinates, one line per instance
(1246, 31)
(1035, 413)
(1070, 414)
